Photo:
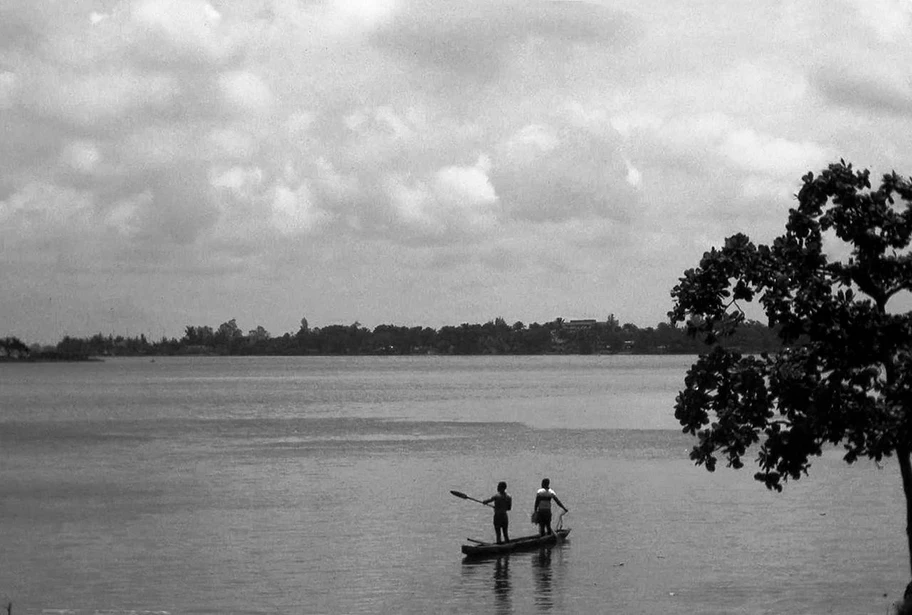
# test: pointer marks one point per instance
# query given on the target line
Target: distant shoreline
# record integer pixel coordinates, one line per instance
(152, 357)
(50, 359)
(574, 337)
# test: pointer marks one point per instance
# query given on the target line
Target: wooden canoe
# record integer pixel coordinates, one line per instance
(524, 543)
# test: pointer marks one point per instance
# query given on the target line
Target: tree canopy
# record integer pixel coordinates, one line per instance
(844, 374)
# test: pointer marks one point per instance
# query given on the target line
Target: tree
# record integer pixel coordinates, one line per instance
(844, 375)
(13, 347)
(260, 334)
(612, 322)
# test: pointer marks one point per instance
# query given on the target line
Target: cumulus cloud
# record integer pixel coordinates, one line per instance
(245, 92)
(531, 141)
(475, 38)
(875, 88)
(466, 186)
(96, 99)
(175, 31)
(557, 173)
(455, 198)
(182, 136)
(125, 215)
(241, 181)
(888, 19)
(82, 156)
(751, 151)
(293, 210)
(230, 143)
(413, 203)
(42, 210)
(9, 85)
(634, 177)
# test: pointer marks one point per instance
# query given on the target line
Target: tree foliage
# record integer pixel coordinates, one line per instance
(844, 375)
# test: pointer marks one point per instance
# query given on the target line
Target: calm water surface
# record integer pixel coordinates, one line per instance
(321, 485)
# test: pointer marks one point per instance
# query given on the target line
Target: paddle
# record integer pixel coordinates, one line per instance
(460, 494)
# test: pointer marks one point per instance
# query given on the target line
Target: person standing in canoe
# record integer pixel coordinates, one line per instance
(541, 510)
(502, 503)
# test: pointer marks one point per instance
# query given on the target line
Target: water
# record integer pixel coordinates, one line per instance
(321, 485)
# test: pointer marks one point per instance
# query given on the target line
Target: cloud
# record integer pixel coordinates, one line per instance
(408, 144)
(227, 143)
(634, 177)
(177, 31)
(755, 152)
(475, 38)
(20, 26)
(245, 92)
(455, 199)
(125, 215)
(888, 19)
(531, 141)
(293, 210)
(240, 181)
(362, 14)
(466, 186)
(82, 156)
(550, 173)
(182, 206)
(9, 89)
(413, 203)
(869, 88)
(43, 212)
(99, 98)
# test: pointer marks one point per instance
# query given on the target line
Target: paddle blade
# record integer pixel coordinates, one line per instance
(460, 494)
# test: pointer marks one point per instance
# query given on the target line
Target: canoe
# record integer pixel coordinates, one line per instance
(524, 543)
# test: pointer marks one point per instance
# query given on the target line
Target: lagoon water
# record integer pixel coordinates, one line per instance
(321, 485)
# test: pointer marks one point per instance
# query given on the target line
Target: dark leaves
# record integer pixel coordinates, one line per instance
(846, 376)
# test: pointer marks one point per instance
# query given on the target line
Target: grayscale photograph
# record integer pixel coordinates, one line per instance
(418, 307)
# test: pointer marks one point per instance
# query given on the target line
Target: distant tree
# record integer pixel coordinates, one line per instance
(536, 339)
(198, 336)
(72, 348)
(612, 322)
(13, 347)
(228, 330)
(845, 373)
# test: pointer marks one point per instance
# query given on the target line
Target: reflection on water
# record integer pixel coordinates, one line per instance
(541, 573)
(482, 576)
(502, 588)
(522, 582)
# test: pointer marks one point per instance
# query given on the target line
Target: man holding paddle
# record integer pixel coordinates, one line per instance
(502, 503)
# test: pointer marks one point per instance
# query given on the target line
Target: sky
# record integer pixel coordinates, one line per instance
(166, 163)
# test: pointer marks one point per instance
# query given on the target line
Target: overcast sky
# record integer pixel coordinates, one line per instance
(414, 162)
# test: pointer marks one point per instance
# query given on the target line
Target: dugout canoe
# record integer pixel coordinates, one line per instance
(524, 543)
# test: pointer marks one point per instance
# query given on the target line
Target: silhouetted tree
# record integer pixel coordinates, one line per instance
(845, 375)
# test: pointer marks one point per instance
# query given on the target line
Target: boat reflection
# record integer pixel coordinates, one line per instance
(529, 581)
(502, 588)
(541, 574)
(491, 575)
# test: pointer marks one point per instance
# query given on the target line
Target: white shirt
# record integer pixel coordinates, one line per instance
(545, 495)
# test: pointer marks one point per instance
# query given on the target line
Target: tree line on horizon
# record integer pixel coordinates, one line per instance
(491, 338)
